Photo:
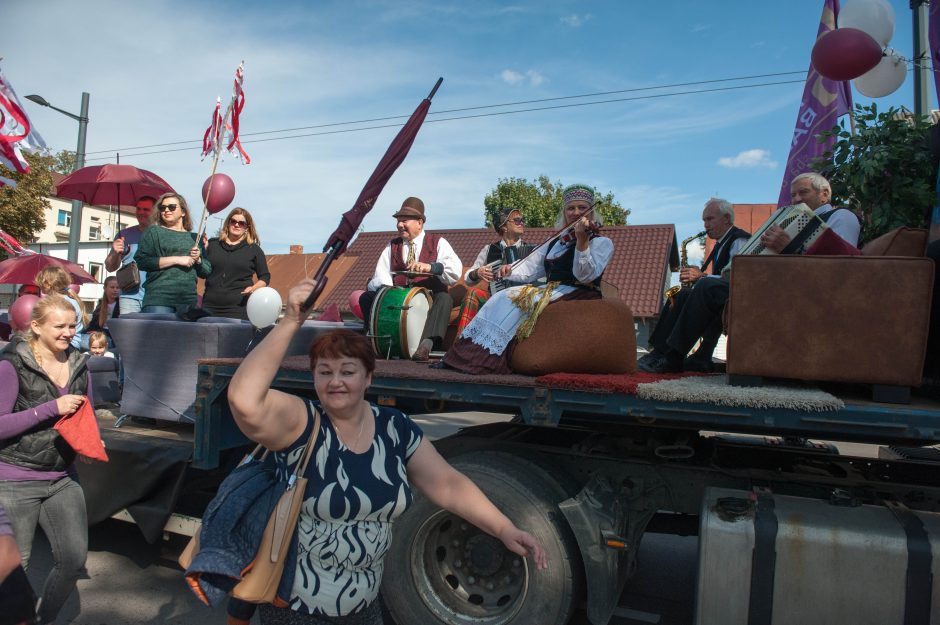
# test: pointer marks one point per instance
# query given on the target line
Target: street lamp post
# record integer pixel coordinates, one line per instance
(75, 228)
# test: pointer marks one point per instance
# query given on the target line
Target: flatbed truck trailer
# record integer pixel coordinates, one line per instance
(790, 530)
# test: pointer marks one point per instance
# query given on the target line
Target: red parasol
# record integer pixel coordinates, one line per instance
(22, 269)
(394, 156)
(102, 185)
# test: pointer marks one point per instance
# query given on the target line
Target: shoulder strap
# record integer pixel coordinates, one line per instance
(301, 467)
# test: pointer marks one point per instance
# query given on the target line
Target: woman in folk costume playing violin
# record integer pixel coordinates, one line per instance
(573, 269)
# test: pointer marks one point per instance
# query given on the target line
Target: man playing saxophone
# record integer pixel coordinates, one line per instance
(718, 221)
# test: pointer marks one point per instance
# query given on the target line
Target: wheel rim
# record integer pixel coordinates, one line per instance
(470, 576)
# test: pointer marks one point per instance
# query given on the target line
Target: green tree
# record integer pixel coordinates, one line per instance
(885, 173)
(540, 202)
(22, 209)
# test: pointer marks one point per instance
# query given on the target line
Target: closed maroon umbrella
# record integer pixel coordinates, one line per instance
(22, 269)
(102, 185)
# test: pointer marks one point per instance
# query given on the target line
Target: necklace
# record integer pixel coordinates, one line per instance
(355, 445)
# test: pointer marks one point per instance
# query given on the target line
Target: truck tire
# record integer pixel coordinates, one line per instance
(443, 570)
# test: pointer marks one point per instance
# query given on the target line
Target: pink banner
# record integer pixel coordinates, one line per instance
(824, 102)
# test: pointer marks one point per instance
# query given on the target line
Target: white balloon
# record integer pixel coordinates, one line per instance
(264, 307)
(885, 78)
(875, 17)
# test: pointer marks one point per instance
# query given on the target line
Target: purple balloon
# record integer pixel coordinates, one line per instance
(21, 311)
(223, 192)
(845, 53)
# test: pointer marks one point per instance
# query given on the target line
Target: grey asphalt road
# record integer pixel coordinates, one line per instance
(130, 582)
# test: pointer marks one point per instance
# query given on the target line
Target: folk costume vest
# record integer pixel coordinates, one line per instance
(495, 252)
(561, 268)
(40, 448)
(428, 255)
(724, 255)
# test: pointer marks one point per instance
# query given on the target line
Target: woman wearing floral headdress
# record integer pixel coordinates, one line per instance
(573, 270)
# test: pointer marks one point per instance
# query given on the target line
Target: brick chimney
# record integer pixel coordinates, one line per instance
(296, 249)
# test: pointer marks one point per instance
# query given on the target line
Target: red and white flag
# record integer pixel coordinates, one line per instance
(214, 139)
(16, 133)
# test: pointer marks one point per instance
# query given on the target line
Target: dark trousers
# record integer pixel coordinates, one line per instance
(700, 316)
(438, 317)
(669, 317)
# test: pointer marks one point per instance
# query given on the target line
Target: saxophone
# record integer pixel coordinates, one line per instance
(683, 263)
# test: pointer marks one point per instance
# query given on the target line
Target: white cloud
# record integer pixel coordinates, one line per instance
(511, 77)
(749, 159)
(535, 78)
(700, 28)
(576, 21)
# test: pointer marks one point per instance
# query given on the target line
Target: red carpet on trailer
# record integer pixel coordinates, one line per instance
(607, 383)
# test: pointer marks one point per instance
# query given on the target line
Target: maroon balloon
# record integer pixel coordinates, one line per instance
(21, 310)
(845, 53)
(223, 192)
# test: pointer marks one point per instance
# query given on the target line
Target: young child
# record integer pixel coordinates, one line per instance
(98, 344)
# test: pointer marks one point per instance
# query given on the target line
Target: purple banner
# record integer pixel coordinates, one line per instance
(934, 36)
(824, 102)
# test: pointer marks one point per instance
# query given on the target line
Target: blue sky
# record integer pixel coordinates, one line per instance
(154, 70)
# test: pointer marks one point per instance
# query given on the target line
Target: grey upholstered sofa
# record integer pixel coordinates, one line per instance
(159, 355)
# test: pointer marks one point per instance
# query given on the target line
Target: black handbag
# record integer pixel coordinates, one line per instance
(128, 277)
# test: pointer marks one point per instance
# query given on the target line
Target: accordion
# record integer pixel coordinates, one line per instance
(798, 221)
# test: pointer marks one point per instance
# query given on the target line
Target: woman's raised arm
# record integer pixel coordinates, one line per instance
(267, 416)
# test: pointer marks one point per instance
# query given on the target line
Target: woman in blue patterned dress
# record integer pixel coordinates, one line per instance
(365, 461)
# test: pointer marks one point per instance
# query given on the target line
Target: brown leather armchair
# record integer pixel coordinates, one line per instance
(858, 319)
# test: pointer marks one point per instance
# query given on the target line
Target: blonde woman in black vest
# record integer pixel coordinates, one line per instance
(422, 252)
(42, 378)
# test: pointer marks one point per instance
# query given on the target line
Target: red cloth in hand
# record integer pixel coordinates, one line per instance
(80, 431)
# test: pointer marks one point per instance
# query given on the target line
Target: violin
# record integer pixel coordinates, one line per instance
(568, 235)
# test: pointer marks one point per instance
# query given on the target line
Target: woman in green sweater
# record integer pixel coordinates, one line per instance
(170, 255)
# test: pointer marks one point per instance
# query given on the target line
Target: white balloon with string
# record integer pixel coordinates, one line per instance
(885, 78)
(875, 17)
(264, 307)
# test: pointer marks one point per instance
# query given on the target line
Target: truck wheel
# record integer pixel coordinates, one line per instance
(441, 569)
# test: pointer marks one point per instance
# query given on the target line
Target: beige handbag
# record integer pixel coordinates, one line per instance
(263, 575)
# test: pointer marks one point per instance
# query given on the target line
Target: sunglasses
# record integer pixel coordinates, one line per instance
(238, 223)
(517, 220)
(168, 207)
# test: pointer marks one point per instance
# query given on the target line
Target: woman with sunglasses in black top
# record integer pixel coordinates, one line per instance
(239, 266)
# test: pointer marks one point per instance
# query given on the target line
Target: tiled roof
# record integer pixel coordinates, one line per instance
(289, 269)
(639, 268)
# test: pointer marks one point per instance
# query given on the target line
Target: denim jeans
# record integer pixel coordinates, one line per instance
(59, 508)
(129, 305)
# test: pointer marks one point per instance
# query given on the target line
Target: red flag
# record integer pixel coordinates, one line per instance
(394, 156)
(213, 141)
(16, 133)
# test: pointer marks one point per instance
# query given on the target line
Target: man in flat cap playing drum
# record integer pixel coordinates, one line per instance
(423, 253)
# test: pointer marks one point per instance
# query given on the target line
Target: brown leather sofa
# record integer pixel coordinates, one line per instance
(856, 319)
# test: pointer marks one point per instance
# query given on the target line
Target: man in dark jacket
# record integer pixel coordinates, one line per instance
(695, 312)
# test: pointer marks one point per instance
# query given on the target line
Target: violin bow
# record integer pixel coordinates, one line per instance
(560, 233)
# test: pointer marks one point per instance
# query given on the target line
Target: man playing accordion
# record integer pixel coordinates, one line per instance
(707, 299)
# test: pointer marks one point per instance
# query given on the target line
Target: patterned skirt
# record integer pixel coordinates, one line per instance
(471, 303)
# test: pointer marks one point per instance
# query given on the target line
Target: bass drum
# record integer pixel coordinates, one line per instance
(397, 320)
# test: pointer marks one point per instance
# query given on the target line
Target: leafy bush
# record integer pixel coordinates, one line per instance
(885, 173)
